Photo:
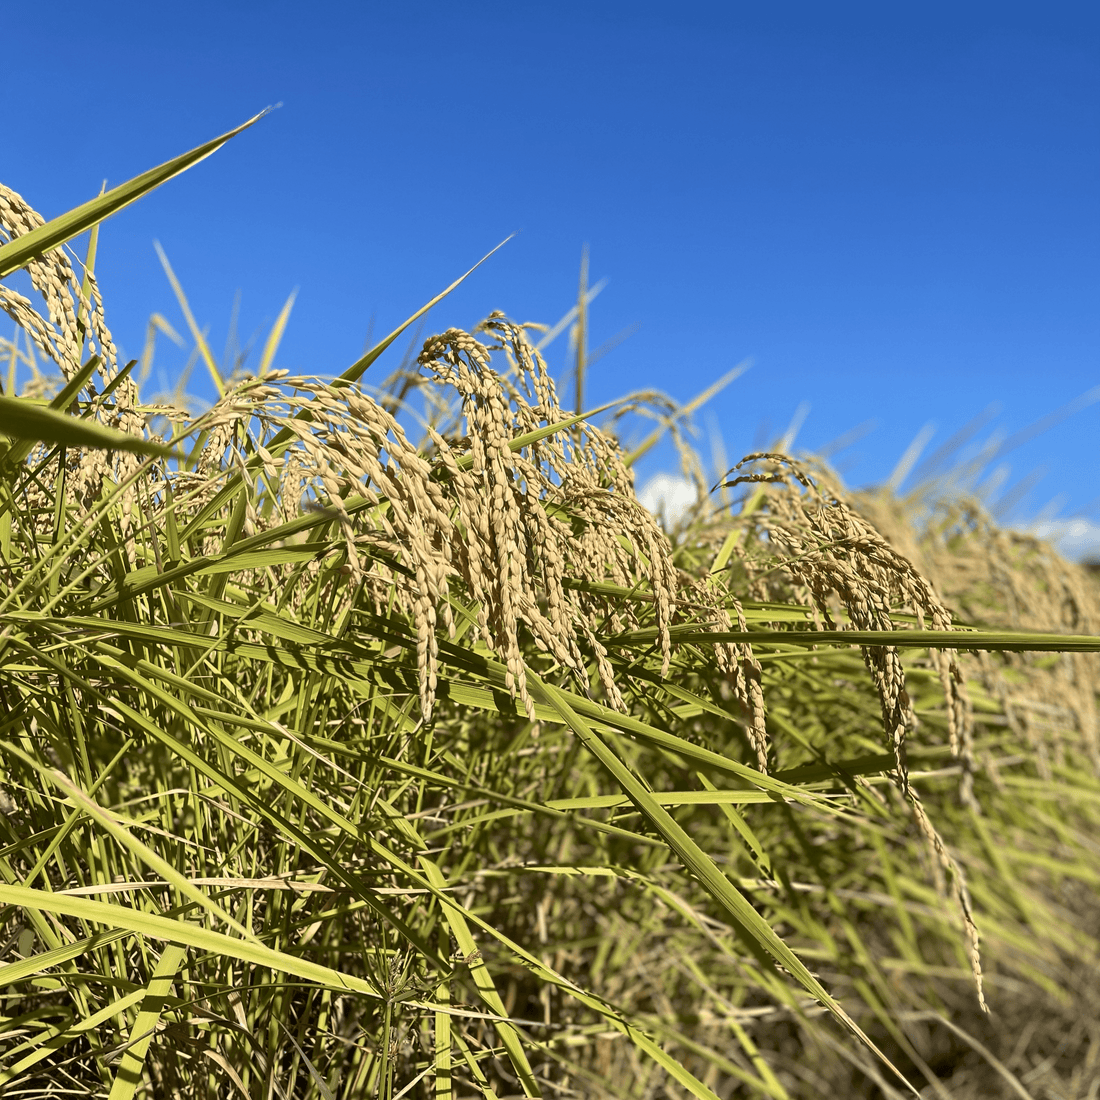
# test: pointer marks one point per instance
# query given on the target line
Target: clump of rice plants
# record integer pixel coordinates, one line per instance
(335, 765)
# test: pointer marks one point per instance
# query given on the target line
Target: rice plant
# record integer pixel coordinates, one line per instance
(338, 765)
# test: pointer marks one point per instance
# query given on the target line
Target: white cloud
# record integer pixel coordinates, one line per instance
(1076, 539)
(668, 497)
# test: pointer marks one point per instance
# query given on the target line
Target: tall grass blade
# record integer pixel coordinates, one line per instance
(15, 254)
(129, 1074)
(28, 421)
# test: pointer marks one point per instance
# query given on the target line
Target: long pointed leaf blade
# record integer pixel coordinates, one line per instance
(23, 420)
(684, 411)
(57, 231)
(1013, 640)
(182, 932)
(758, 933)
(130, 1068)
(196, 333)
(275, 336)
(356, 370)
(486, 987)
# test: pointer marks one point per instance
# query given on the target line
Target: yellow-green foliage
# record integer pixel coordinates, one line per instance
(336, 765)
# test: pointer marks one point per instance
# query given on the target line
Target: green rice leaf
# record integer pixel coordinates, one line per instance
(15, 254)
(129, 1074)
(28, 421)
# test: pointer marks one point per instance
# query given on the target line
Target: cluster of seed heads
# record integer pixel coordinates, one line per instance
(72, 330)
(480, 527)
(838, 558)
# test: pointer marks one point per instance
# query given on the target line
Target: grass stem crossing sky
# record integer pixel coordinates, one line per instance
(891, 208)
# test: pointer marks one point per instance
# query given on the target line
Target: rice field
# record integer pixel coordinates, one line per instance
(336, 762)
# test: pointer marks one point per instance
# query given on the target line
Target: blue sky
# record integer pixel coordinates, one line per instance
(891, 208)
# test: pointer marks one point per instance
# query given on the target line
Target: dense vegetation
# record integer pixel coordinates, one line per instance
(338, 765)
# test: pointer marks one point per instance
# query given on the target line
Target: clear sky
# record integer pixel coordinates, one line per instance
(891, 208)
